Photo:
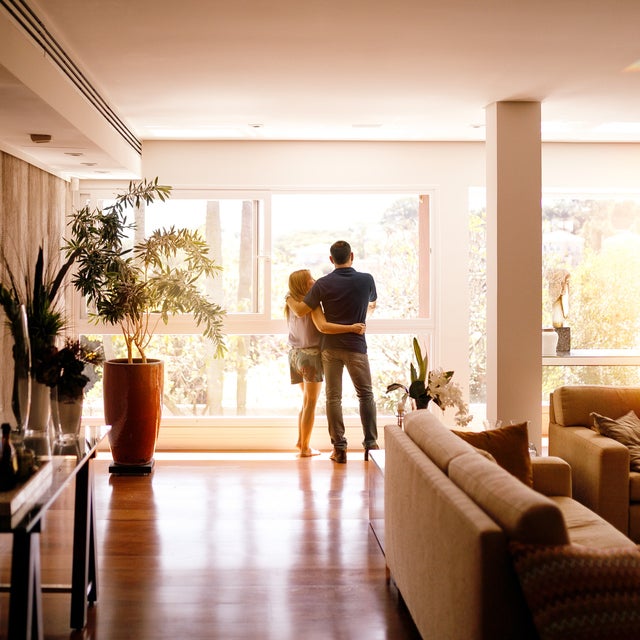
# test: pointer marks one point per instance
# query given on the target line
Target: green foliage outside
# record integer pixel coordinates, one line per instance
(253, 377)
(603, 309)
(604, 287)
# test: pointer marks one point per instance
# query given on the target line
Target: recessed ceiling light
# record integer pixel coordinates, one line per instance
(89, 164)
(75, 154)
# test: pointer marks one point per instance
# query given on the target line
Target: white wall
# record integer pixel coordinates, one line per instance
(591, 166)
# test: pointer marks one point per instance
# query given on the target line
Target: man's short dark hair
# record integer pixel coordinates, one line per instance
(340, 252)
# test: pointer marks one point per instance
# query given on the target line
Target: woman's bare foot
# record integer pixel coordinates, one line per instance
(307, 453)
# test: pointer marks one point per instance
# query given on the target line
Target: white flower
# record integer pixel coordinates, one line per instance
(446, 393)
(433, 385)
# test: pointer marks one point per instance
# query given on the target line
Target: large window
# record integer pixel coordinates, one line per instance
(259, 239)
(595, 239)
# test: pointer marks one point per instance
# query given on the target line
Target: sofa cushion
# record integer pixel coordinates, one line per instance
(625, 430)
(434, 438)
(587, 528)
(509, 445)
(577, 592)
(522, 513)
(634, 486)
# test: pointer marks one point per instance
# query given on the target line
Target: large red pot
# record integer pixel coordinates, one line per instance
(133, 408)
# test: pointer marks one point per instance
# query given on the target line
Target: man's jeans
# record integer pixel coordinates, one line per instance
(334, 361)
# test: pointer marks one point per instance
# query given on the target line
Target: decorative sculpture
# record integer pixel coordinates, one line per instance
(559, 294)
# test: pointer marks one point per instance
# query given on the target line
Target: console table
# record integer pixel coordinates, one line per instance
(25, 589)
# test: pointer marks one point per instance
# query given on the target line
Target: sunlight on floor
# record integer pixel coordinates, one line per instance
(222, 455)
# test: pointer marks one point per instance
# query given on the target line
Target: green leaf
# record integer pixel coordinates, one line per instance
(422, 362)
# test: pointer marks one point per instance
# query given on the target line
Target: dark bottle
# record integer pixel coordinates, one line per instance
(8, 461)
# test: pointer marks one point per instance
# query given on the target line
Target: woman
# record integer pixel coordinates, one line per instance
(305, 361)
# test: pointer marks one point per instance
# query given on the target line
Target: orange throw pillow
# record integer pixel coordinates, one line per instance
(509, 445)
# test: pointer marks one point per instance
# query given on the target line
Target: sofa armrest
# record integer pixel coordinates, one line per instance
(599, 470)
(551, 476)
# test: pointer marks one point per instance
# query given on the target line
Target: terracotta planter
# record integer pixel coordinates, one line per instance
(133, 408)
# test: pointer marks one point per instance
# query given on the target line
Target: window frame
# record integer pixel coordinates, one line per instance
(260, 322)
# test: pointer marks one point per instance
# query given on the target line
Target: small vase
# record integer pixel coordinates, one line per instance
(40, 411)
(66, 416)
(36, 436)
(549, 342)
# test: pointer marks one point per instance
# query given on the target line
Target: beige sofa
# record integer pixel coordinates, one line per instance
(449, 516)
(601, 476)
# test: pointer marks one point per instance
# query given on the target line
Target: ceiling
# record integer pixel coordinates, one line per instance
(320, 70)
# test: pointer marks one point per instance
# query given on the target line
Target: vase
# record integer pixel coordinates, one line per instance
(36, 435)
(549, 342)
(66, 416)
(21, 391)
(40, 409)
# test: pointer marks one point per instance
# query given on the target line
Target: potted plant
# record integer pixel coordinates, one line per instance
(38, 293)
(427, 386)
(65, 375)
(134, 288)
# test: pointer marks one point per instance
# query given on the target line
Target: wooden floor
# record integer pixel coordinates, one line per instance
(227, 548)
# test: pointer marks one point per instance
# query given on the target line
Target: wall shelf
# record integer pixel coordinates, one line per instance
(594, 357)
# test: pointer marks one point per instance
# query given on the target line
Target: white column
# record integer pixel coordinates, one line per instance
(514, 264)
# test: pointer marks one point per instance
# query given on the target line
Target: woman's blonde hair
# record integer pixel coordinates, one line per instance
(298, 287)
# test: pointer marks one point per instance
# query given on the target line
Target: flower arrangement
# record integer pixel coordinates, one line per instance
(435, 385)
(64, 367)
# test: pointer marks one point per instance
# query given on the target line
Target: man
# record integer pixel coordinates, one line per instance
(347, 297)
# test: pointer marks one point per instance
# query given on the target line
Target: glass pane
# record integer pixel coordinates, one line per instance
(597, 243)
(382, 230)
(228, 226)
(253, 379)
(554, 377)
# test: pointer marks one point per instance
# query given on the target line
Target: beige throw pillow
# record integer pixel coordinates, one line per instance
(625, 430)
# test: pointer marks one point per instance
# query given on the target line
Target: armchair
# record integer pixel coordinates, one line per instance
(601, 476)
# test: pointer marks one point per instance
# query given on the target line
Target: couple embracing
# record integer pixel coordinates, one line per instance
(326, 321)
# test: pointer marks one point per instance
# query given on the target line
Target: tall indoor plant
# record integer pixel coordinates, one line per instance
(135, 288)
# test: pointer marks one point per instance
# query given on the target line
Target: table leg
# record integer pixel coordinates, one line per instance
(25, 599)
(84, 586)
